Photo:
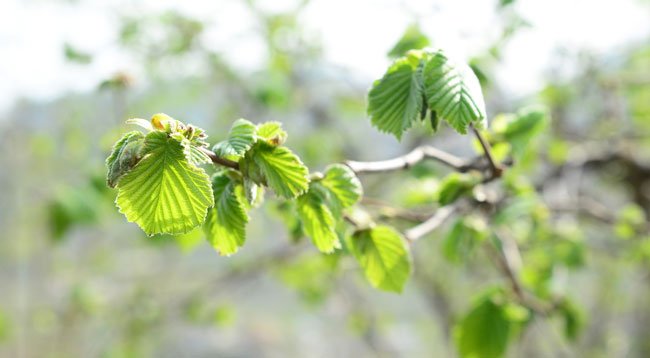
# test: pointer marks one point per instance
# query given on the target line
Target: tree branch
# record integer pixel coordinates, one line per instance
(218, 160)
(413, 157)
(432, 223)
(508, 260)
(497, 170)
(386, 210)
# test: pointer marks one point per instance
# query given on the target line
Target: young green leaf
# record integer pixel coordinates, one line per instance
(240, 139)
(464, 235)
(395, 101)
(484, 331)
(341, 181)
(435, 121)
(453, 92)
(278, 168)
(384, 256)
(225, 225)
(454, 186)
(272, 133)
(317, 219)
(520, 129)
(253, 193)
(196, 155)
(164, 192)
(125, 155)
(412, 39)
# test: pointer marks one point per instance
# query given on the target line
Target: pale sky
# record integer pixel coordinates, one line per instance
(356, 34)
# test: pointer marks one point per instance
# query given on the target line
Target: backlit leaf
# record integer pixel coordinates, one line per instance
(164, 192)
(485, 330)
(453, 186)
(384, 256)
(341, 181)
(126, 153)
(317, 219)
(278, 168)
(396, 100)
(272, 133)
(225, 225)
(464, 235)
(240, 139)
(453, 92)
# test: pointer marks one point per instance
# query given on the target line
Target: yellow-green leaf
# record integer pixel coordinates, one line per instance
(384, 256)
(164, 192)
(226, 223)
(272, 133)
(125, 155)
(395, 101)
(453, 92)
(341, 181)
(317, 219)
(240, 139)
(278, 168)
(486, 329)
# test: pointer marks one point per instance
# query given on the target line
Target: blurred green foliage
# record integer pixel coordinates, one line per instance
(80, 281)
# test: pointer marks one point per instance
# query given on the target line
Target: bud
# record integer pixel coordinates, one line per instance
(162, 122)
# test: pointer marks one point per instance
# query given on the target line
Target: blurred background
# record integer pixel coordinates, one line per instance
(77, 280)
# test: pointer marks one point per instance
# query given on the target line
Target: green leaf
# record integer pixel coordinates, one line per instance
(197, 156)
(253, 193)
(412, 39)
(341, 181)
(485, 330)
(272, 133)
(225, 225)
(240, 139)
(395, 101)
(463, 237)
(520, 129)
(164, 192)
(278, 168)
(435, 121)
(454, 186)
(453, 92)
(317, 219)
(126, 153)
(384, 256)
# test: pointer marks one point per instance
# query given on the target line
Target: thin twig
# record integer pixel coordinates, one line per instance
(431, 224)
(219, 160)
(386, 210)
(497, 170)
(505, 259)
(413, 157)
